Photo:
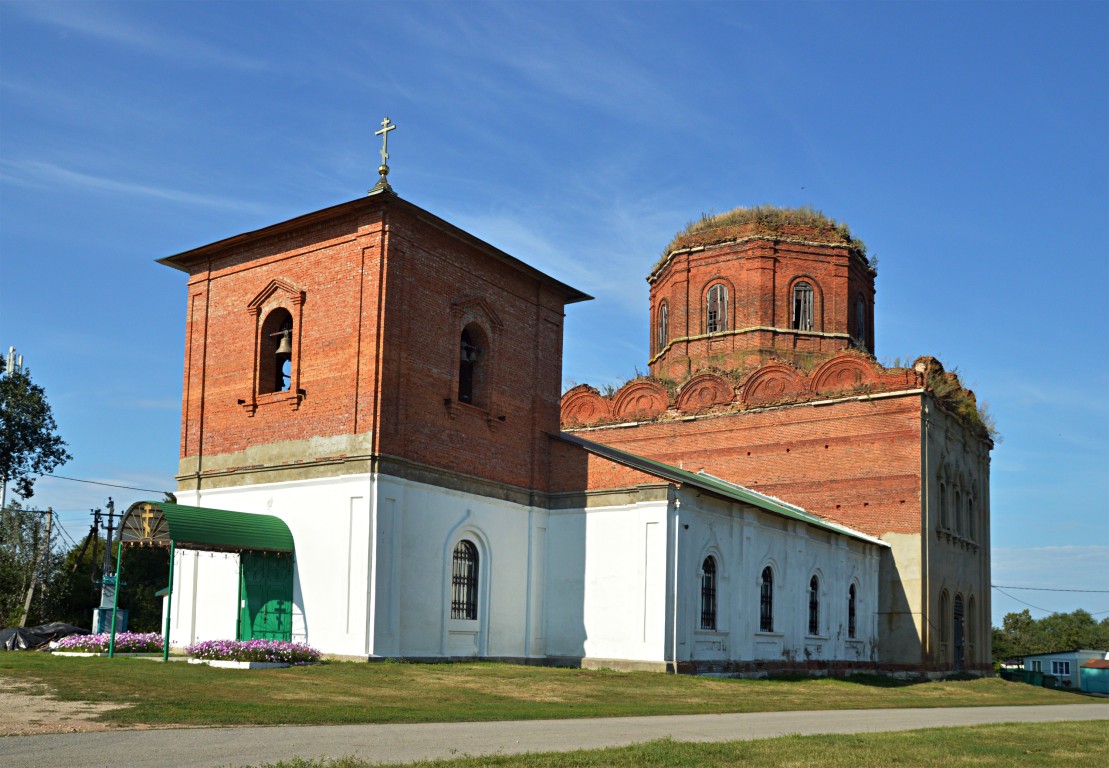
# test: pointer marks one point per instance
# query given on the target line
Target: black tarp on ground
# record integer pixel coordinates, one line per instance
(29, 638)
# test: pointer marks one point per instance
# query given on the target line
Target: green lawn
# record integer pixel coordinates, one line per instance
(1031, 745)
(190, 694)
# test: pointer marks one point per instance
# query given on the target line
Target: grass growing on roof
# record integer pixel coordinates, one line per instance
(333, 693)
(767, 220)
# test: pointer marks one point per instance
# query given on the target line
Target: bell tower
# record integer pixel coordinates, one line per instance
(753, 284)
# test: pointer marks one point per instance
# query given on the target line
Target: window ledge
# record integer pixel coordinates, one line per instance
(760, 633)
(455, 407)
(290, 398)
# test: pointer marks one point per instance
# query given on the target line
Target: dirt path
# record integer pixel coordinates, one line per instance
(29, 709)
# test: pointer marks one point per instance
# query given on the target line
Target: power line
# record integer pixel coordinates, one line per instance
(1048, 589)
(96, 482)
(1047, 610)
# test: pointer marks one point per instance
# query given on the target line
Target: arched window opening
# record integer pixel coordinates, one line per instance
(708, 593)
(851, 612)
(971, 622)
(802, 307)
(958, 512)
(663, 327)
(766, 600)
(716, 309)
(860, 322)
(945, 632)
(472, 365)
(957, 622)
(943, 507)
(464, 581)
(275, 360)
(814, 606)
(972, 524)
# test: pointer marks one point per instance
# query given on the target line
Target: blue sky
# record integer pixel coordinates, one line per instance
(966, 143)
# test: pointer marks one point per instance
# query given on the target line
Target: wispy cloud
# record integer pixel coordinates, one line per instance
(1077, 566)
(103, 23)
(37, 173)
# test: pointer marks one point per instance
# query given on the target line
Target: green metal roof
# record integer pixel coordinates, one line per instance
(158, 523)
(706, 482)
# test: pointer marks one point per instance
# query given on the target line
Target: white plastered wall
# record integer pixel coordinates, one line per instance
(607, 586)
(744, 540)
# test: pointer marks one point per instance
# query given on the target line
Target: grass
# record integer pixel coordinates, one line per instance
(1028, 745)
(767, 219)
(334, 693)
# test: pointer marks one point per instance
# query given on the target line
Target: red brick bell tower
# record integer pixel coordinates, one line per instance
(754, 284)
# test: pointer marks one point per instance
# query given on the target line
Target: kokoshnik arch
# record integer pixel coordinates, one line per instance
(387, 386)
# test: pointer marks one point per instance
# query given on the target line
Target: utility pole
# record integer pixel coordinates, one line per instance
(108, 586)
(35, 570)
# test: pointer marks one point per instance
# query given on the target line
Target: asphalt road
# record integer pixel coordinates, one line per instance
(213, 747)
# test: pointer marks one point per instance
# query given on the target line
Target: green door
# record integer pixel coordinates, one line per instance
(265, 596)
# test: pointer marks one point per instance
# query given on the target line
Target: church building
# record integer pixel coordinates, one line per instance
(387, 387)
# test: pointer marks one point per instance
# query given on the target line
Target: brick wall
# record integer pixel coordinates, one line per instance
(379, 291)
(760, 274)
(855, 462)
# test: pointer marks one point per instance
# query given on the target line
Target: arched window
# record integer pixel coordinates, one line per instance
(802, 307)
(851, 612)
(960, 639)
(464, 581)
(860, 321)
(708, 593)
(275, 359)
(958, 512)
(472, 365)
(944, 621)
(814, 606)
(663, 327)
(716, 309)
(972, 524)
(766, 600)
(943, 507)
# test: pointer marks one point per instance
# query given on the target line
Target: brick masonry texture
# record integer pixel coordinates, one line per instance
(759, 274)
(855, 463)
(380, 292)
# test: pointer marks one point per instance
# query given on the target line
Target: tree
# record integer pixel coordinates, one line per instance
(26, 555)
(29, 444)
(1021, 635)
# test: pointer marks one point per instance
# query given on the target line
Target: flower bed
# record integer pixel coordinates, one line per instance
(126, 642)
(266, 651)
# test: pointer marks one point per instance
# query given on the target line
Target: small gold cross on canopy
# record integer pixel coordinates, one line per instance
(383, 183)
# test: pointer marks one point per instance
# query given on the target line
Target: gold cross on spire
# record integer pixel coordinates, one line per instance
(383, 169)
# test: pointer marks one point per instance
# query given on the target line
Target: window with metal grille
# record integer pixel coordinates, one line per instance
(802, 307)
(814, 606)
(851, 612)
(708, 593)
(766, 600)
(716, 306)
(663, 327)
(464, 581)
(960, 626)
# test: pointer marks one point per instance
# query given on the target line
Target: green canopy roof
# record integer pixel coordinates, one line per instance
(158, 524)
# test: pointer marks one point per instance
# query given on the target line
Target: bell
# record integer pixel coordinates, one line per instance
(285, 346)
